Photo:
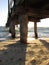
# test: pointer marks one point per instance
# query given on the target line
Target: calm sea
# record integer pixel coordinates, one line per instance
(42, 32)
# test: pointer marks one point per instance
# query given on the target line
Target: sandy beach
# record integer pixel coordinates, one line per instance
(24, 19)
(36, 52)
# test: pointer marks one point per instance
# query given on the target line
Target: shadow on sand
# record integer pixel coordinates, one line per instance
(45, 43)
(15, 54)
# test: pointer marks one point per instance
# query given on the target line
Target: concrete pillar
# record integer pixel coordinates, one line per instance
(35, 30)
(23, 20)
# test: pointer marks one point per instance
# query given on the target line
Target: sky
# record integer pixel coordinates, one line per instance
(4, 12)
(42, 23)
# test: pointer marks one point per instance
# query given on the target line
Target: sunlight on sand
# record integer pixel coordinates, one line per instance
(34, 53)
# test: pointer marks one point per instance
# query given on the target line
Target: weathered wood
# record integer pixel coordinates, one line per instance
(23, 19)
(35, 30)
(37, 9)
(12, 29)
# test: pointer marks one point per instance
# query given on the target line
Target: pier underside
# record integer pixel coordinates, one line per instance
(24, 11)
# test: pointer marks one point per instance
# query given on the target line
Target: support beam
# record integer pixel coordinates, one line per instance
(23, 19)
(35, 30)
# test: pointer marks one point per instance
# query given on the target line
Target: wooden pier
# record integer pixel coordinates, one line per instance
(24, 11)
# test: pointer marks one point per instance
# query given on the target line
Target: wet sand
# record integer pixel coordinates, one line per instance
(36, 52)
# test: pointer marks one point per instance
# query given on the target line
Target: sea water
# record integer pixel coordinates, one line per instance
(4, 34)
(43, 32)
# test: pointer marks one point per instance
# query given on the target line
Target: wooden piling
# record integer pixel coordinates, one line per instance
(35, 30)
(23, 20)
(12, 29)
